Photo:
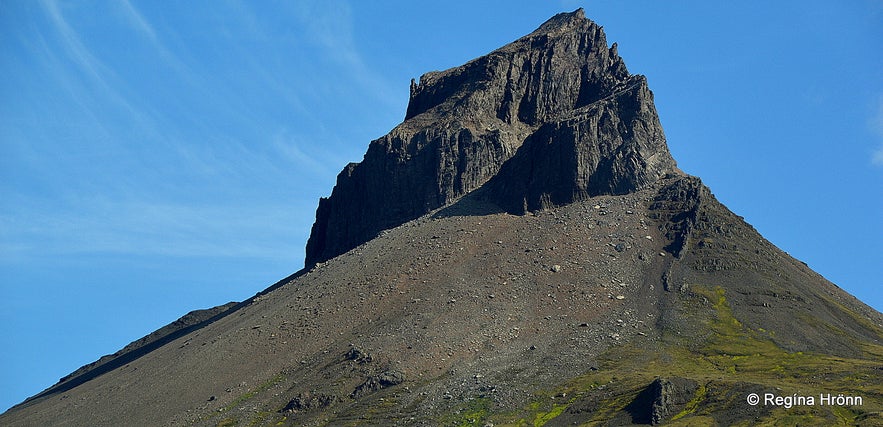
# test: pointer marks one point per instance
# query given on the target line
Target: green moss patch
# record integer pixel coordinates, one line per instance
(731, 362)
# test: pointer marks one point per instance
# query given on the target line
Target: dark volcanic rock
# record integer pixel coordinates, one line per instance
(357, 355)
(551, 118)
(308, 402)
(678, 205)
(613, 146)
(670, 396)
(377, 382)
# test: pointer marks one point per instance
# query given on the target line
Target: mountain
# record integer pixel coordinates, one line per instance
(521, 250)
(557, 99)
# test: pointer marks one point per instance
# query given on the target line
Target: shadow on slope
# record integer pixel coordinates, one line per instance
(190, 322)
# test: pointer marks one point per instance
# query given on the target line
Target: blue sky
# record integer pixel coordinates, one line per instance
(159, 157)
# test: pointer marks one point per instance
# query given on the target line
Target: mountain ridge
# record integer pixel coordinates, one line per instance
(565, 272)
(464, 124)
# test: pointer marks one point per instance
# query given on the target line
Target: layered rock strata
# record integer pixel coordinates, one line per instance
(551, 118)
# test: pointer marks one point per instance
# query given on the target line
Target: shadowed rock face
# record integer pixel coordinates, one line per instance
(630, 296)
(551, 118)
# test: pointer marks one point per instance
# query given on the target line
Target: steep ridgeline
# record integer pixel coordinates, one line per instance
(551, 118)
(628, 296)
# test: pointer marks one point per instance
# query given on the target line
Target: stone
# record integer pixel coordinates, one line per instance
(358, 355)
(670, 396)
(309, 401)
(376, 382)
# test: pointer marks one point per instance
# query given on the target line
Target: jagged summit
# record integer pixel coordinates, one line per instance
(629, 296)
(563, 21)
(551, 118)
(563, 64)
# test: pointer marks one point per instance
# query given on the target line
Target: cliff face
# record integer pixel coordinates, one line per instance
(551, 118)
(631, 297)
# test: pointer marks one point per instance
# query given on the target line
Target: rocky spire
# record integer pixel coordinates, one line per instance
(551, 118)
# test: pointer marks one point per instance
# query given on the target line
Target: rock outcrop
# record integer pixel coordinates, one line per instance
(670, 396)
(551, 118)
(631, 296)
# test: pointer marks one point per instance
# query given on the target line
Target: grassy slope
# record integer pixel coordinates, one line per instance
(732, 362)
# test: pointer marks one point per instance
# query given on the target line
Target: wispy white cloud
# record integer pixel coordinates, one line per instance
(102, 89)
(138, 21)
(75, 47)
(141, 228)
(158, 205)
(311, 158)
(330, 25)
(141, 25)
(877, 157)
(876, 125)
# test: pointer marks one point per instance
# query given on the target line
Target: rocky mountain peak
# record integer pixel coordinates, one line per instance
(560, 66)
(549, 119)
(628, 274)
